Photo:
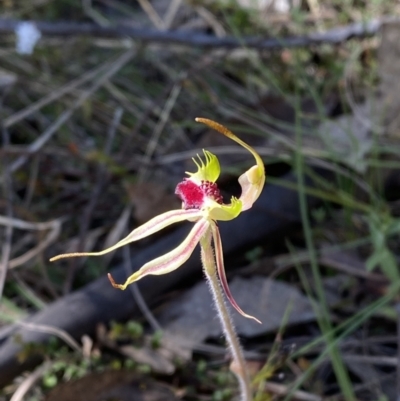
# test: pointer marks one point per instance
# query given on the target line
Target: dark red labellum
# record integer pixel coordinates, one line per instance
(192, 195)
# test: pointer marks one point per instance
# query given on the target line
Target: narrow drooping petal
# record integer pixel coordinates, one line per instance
(219, 257)
(252, 181)
(171, 260)
(152, 226)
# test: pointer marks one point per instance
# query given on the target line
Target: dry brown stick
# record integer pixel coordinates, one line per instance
(373, 359)
(152, 14)
(281, 389)
(165, 114)
(8, 196)
(30, 381)
(50, 237)
(7, 188)
(50, 330)
(351, 270)
(332, 36)
(137, 294)
(171, 13)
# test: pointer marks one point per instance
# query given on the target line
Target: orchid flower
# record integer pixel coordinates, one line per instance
(203, 205)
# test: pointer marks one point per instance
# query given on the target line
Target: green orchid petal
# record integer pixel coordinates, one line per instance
(253, 180)
(171, 260)
(152, 226)
(225, 212)
(219, 257)
(206, 172)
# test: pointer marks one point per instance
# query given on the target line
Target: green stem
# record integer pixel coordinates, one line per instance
(338, 365)
(239, 365)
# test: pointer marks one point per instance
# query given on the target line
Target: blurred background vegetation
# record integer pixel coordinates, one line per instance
(97, 130)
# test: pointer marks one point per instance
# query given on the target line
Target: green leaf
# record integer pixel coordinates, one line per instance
(389, 265)
(373, 261)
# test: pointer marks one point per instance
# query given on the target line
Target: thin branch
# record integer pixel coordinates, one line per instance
(171, 13)
(51, 237)
(8, 196)
(7, 187)
(187, 38)
(165, 114)
(137, 295)
(152, 14)
(55, 331)
(30, 381)
(281, 389)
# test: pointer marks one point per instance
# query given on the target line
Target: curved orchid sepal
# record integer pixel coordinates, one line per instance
(171, 260)
(252, 181)
(206, 172)
(225, 212)
(152, 226)
(219, 257)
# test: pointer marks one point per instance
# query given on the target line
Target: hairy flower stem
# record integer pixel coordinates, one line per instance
(238, 366)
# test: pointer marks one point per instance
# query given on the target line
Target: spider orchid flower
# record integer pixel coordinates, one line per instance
(202, 204)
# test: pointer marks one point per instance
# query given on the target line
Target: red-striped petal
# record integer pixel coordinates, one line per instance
(171, 260)
(219, 257)
(152, 226)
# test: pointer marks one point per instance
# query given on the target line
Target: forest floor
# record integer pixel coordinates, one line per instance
(98, 128)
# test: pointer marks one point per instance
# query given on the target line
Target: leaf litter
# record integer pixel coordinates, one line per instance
(192, 317)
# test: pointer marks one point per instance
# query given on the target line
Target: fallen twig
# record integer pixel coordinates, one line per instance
(53, 226)
(55, 331)
(281, 389)
(332, 36)
(137, 295)
(8, 195)
(30, 381)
